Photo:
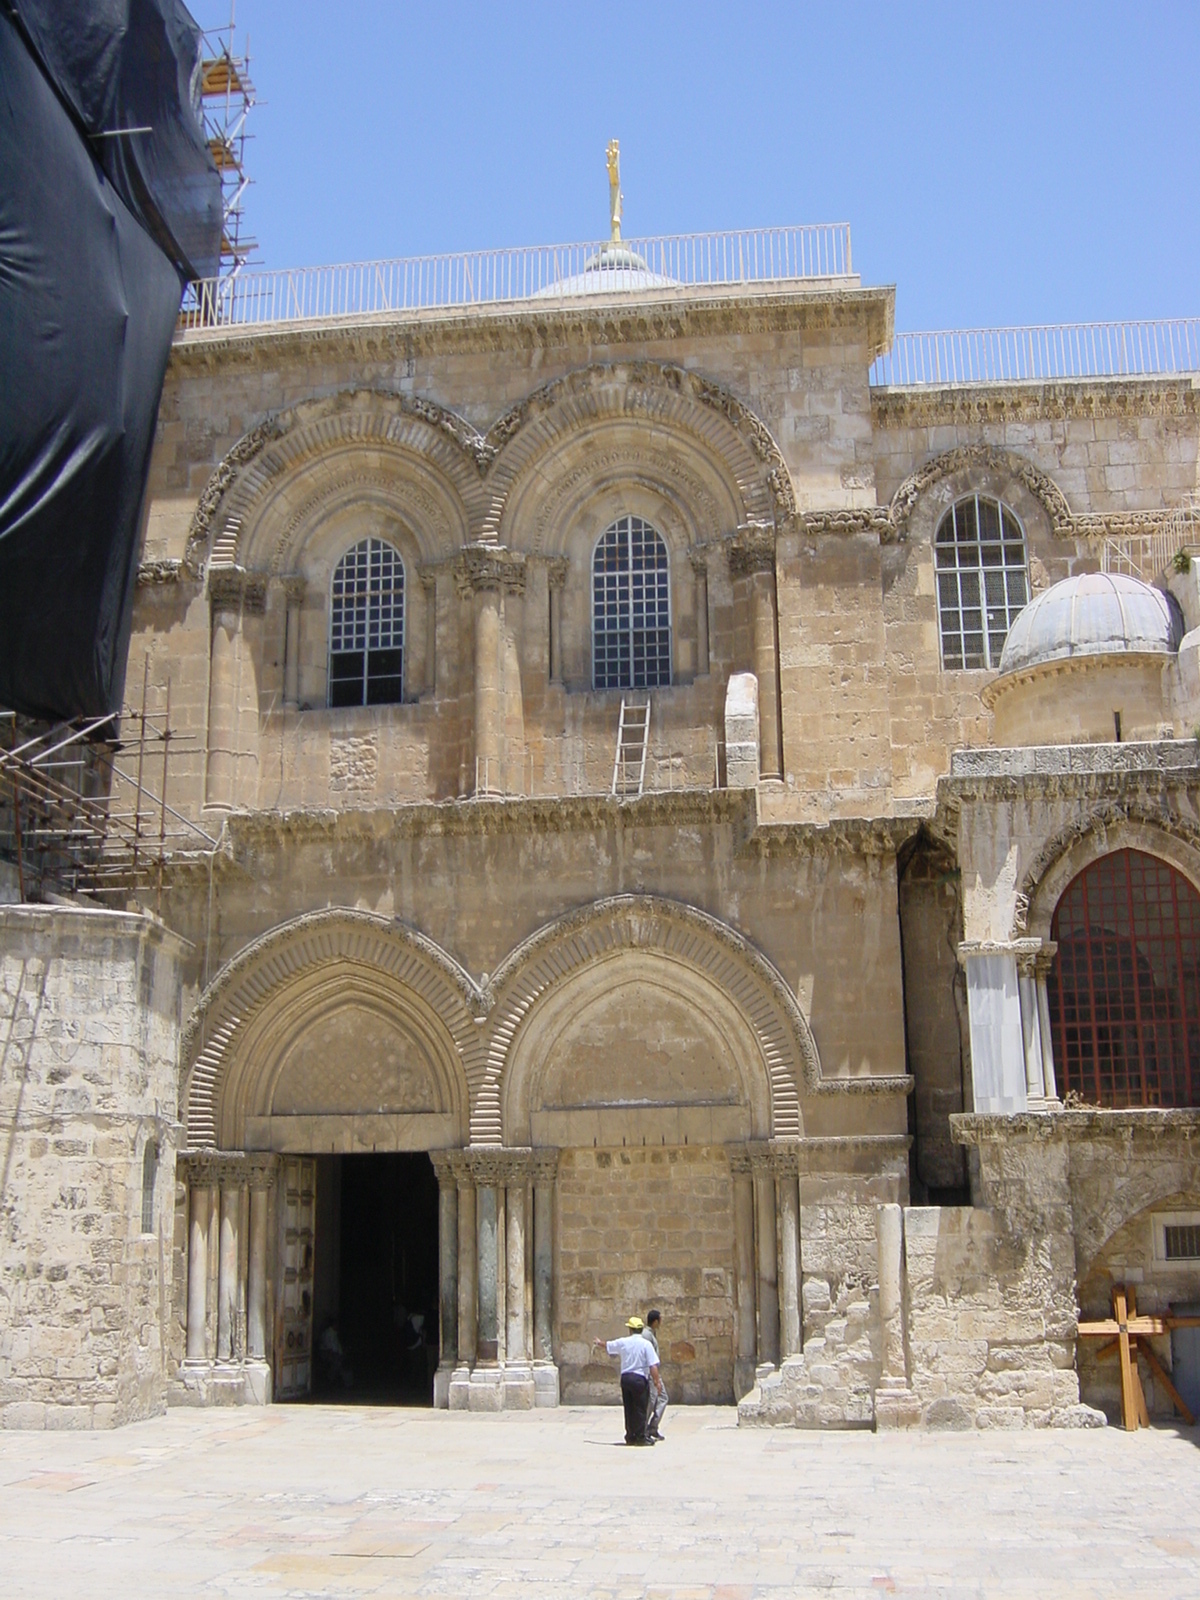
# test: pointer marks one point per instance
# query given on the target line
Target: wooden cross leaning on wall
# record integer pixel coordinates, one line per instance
(1129, 1337)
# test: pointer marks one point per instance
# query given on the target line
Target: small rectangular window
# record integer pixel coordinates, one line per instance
(1181, 1241)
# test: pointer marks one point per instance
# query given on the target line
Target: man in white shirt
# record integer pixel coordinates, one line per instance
(639, 1368)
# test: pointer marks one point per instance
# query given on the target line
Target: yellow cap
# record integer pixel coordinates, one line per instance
(636, 1324)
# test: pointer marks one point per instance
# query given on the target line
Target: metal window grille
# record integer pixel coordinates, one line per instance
(1181, 1241)
(149, 1174)
(979, 552)
(366, 626)
(631, 608)
(1124, 989)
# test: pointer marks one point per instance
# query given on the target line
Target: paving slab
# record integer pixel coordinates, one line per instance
(312, 1501)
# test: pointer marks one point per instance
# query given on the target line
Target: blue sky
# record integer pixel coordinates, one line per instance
(998, 163)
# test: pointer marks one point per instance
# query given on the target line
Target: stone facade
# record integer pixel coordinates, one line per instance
(704, 1044)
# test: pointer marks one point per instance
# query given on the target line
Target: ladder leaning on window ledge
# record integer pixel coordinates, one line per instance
(633, 741)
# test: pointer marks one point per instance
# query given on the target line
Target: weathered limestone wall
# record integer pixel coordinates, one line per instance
(89, 1036)
(639, 1228)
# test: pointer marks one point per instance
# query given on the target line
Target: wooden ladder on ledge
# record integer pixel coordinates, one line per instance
(633, 742)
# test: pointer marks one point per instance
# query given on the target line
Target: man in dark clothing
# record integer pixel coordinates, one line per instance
(639, 1368)
(657, 1402)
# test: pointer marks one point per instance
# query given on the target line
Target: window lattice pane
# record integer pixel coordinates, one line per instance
(979, 553)
(631, 608)
(1124, 989)
(366, 626)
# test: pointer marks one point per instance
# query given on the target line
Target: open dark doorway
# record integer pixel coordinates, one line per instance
(375, 1280)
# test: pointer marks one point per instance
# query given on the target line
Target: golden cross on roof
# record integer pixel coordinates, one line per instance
(614, 188)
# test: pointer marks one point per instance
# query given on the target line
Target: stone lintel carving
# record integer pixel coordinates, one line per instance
(235, 589)
(752, 549)
(153, 573)
(557, 569)
(214, 1168)
(481, 567)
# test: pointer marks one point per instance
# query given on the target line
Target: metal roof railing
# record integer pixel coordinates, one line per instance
(1075, 350)
(485, 277)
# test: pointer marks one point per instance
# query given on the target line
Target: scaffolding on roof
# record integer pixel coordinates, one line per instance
(227, 97)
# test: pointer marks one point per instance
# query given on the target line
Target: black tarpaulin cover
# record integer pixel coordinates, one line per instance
(95, 244)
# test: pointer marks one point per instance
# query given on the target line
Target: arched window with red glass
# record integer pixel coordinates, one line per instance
(1124, 989)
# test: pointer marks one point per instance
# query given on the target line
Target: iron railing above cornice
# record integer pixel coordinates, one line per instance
(1071, 351)
(544, 272)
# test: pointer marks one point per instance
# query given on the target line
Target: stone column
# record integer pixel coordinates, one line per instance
(199, 1201)
(752, 558)
(225, 596)
(484, 573)
(468, 1311)
(256, 1316)
(1044, 962)
(429, 585)
(746, 1336)
(545, 1371)
(787, 1192)
(487, 1206)
(447, 1276)
(766, 1251)
(896, 1406)
(293, 588)
(518, 1371)
(1031, 1027)
(998, 1057)
(227, 1272)
(556, 577)
(700, 571)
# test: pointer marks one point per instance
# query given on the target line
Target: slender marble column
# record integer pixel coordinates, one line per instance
(293, 588)
(889, 1243)
(487, 692)
(556, 577)
(448, 1266)
(1031, 1028)
(227, 1274)
(1049, 1082)
(746, 1340)
(257, 1297)
(468, 1307)
(514, 1345)
(486, 1210)
(789, 1264)
(197, 1301)
(222, 708)
(767, 1296)
(766, 667)
(543, 1258)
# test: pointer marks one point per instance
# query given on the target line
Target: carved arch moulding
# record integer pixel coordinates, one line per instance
(279, 448)
(1115, 825)
(982, 458)
(710, 948)
(390, 954)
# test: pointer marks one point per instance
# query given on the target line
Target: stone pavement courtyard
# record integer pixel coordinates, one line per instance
(315, 1500)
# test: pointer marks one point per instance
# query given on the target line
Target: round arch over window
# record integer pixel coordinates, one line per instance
(631, 607)
(982, 579)
(366, 626)
(1124, 989)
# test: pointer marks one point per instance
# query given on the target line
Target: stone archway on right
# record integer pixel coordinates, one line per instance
(1124, 986)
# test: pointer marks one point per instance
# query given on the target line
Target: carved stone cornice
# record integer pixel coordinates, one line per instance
(482, 567)
(152, 573)
(751, 549)
(1035, 402)
(235, 589)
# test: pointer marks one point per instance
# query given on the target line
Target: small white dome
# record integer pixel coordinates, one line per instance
(1095, 614)
(614, 267)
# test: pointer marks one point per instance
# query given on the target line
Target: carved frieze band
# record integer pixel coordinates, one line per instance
(224, 1168)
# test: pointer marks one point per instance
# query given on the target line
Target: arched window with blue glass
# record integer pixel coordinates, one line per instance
(631, 607)
(366, 626)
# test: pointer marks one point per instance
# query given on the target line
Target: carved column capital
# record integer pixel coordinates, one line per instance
(752, 549)
(739, 1158)
(544, 1165)
(482, 567)
(295, 585)
(779, 1157)
(235, 589)
(556, 571)
(493, 1167)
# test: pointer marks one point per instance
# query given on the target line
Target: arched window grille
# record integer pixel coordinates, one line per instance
(1124, 989)
(149, 1175)
(631, 608)
(982, 580)
(366, 626)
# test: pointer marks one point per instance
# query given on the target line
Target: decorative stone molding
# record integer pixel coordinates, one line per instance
(218, 1167)
(849, 522)
(751, 549)
(981, 458)
(151, 574)
(490, 1167)
(1035, 402)
(645, 922)
(545, 1165)
(235, 589)
(481, 567)
(260, 971)
(231, 464)
(557, 570)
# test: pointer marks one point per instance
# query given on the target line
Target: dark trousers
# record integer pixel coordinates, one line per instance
(635, 1391)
